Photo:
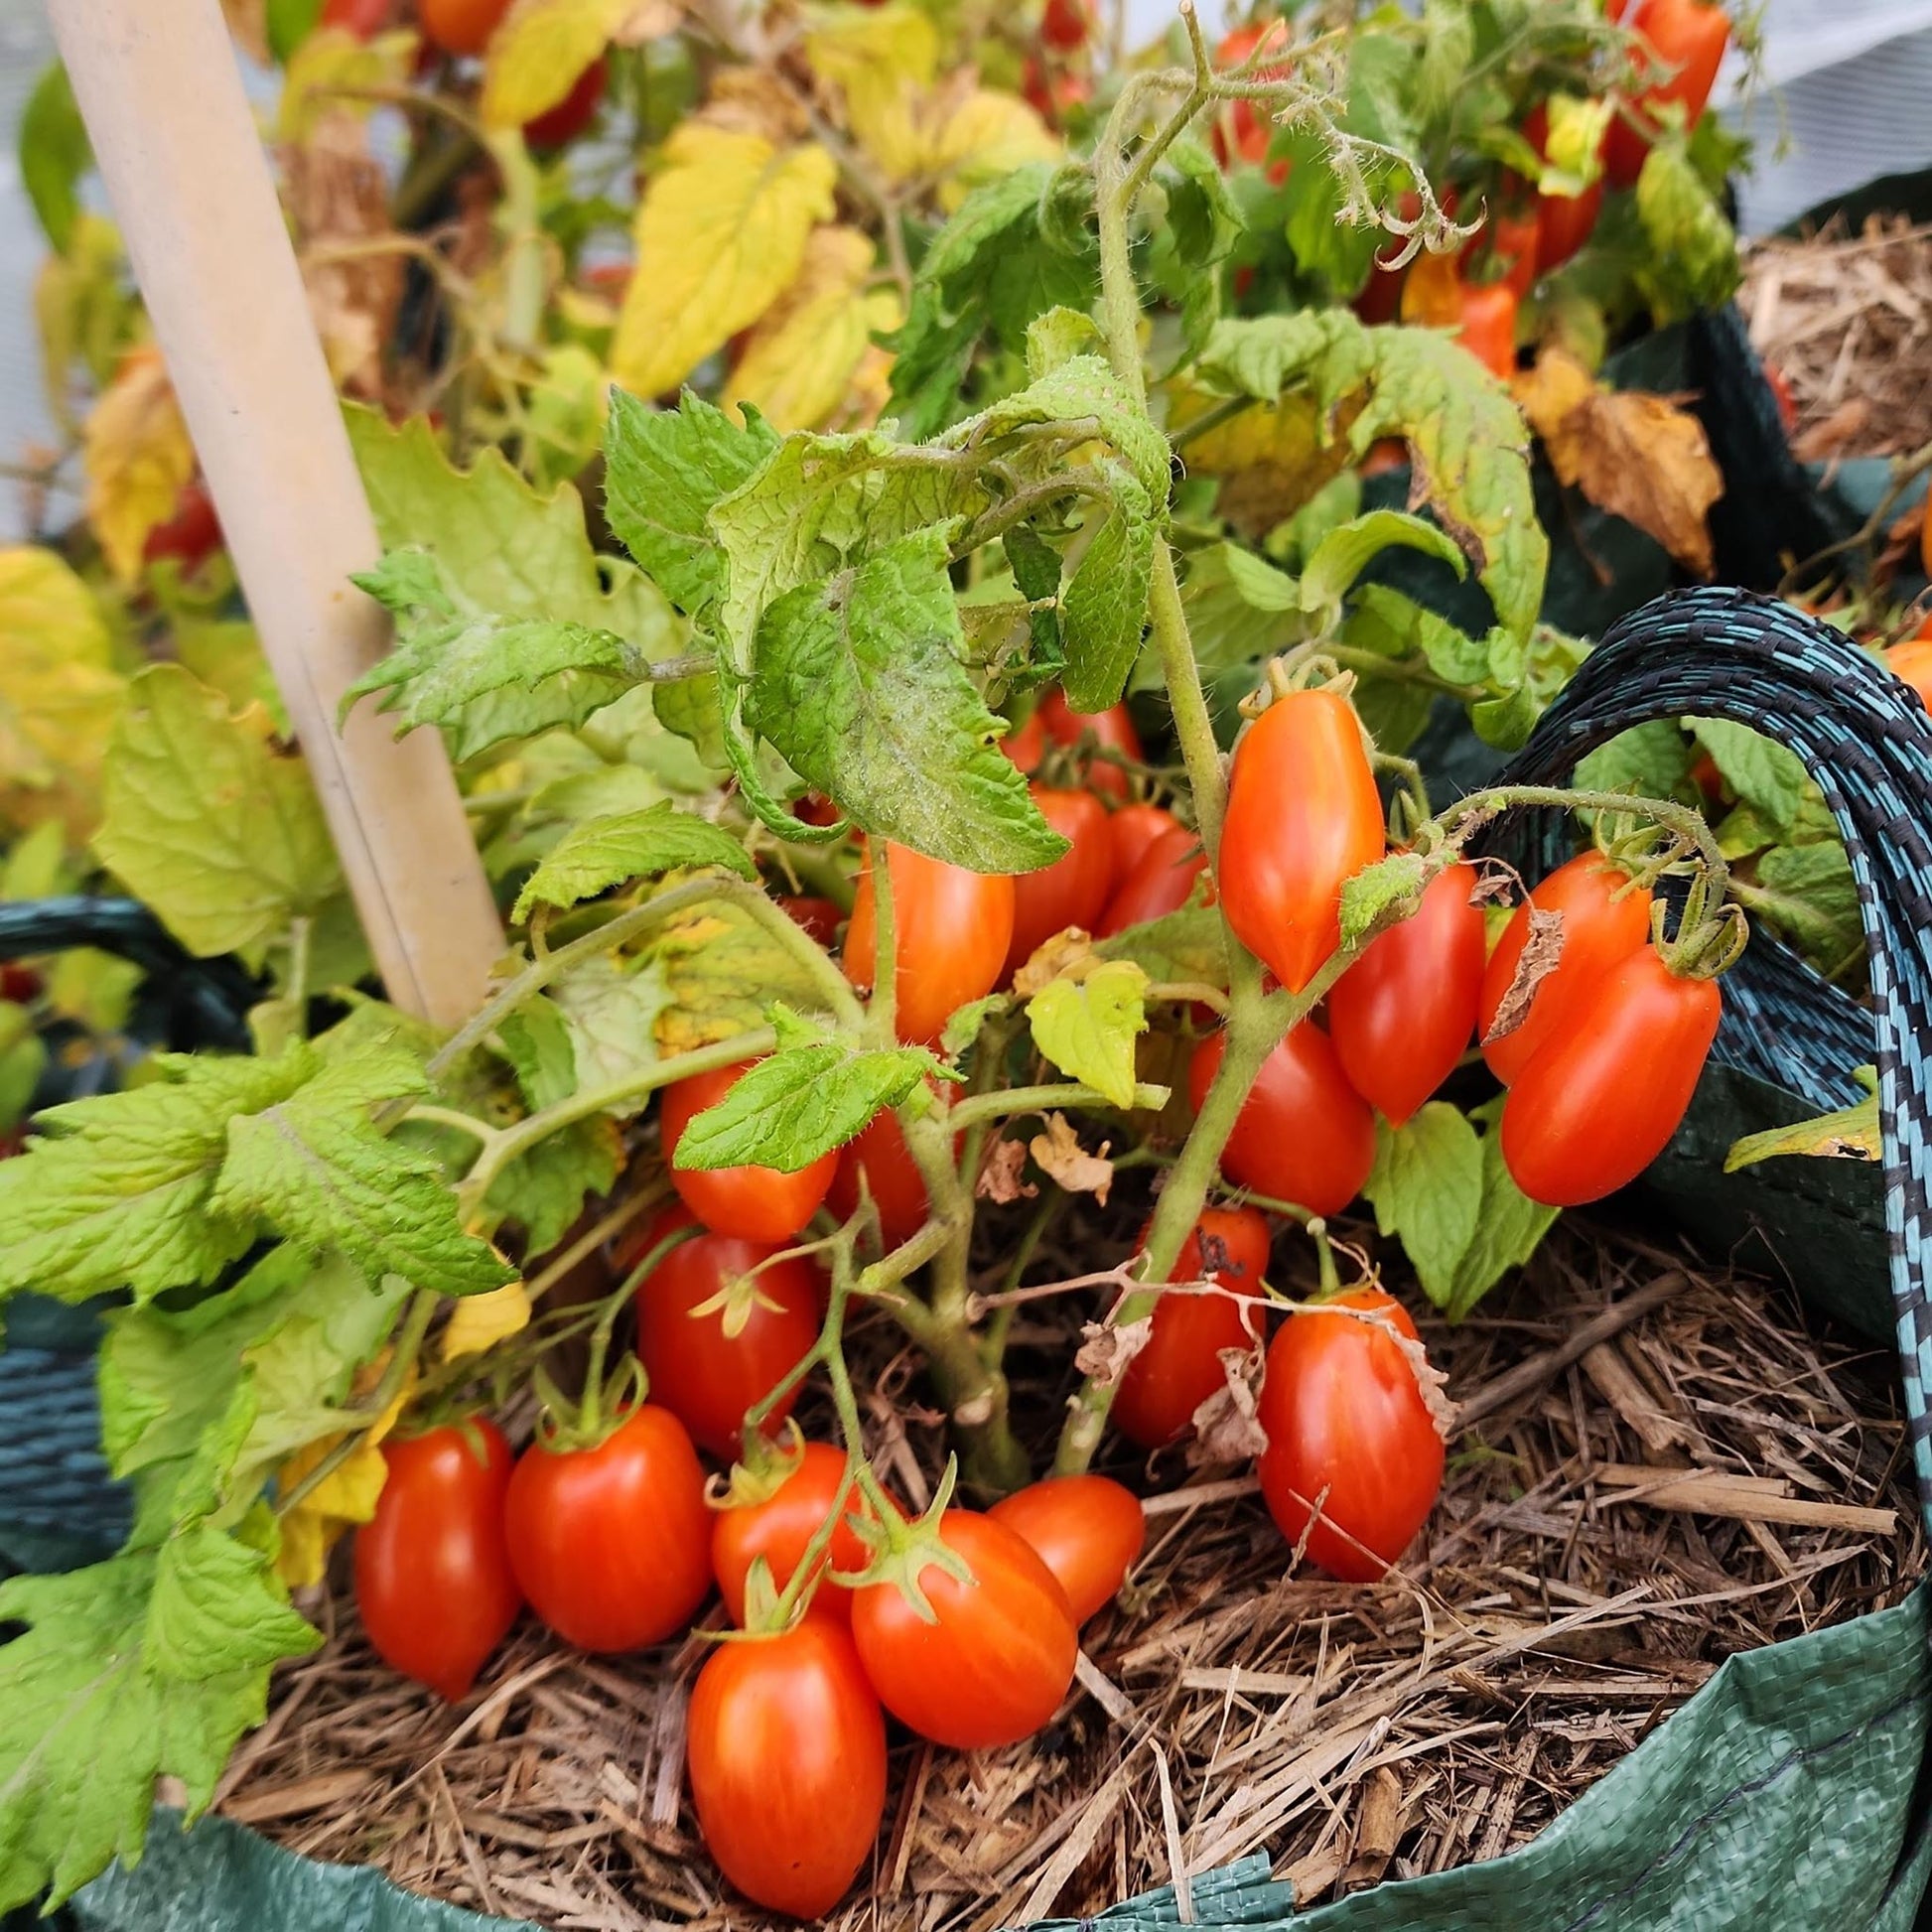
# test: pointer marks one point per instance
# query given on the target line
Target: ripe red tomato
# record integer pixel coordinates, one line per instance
(1488, 329)
(1072, 891)
(1599, 931)
(1401, 1016)
(819, 917)
(781, 1525)
(1130, 831)
(461, 26)
(1160, 880)
(1303, 1134)
(953, 928)
(754, 1203)
(1111, 729)
(19, 984)
(1086, 1529)
(558, 126)
(994, 1665)
(1688, 36)
(1344, 1414)
(1026, 745)
(1508, 244)
(433, 1580)
(363, 18)
(1780, 387)
(708, 1368)
(1563, 222)
(814, 808)
(879, 1151)
(1601, 1096)
(612, 1545)
(1911, 661)
(1242, 129)
(1053, 94)
(1181, 1366)
(785, 1744)
(191, 535)
(1303, 817)
(1068, 24)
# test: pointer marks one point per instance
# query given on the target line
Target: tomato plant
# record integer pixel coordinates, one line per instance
(610, 1544)
(1348, 1430)
(879, 1153)
(1688, 36)
(1130, 831)
(1111, 729)
(1068, 24)
(1488, 327)
(1073, 889)
(432, 1581)
(786, 1751)
(1086, 1529)
(558, 126)
(777, 1517)
(1160, 880)
(753, 1204)
(191, 535)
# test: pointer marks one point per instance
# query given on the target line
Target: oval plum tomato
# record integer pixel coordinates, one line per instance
(1689, 37)
(996, 1661)
(1347, 1426)
(1911, 661)
(1111, 729)
(191, 535)
(1507, 245)
(1401, 1016)
(363, 18)
(1601, 1096)
(558, 126)
(818, 916)
(1130, 831)
(707, 1364)
(461, 26)
(785, 1744)
(1241, 128)
(953, 929)
(1303, 1134)
(1086, 1529)
(1072, 891)
(1160, 880)
(879, 1151)
(433, 1579)
(1600, 929)
(1488, 327)
(1026, 745)
(1303, 817)
(1180, 1365)
(1068, 24)
(612, 1545)
(754, 1203)
(1563, 222)
(780, 1527)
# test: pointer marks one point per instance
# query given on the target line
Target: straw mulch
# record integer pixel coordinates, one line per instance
(1570, 1594)
(1847, 320)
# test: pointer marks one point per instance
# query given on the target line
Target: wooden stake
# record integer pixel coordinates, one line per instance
(183, 160)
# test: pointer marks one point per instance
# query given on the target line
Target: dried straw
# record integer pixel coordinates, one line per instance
(1659, 1466)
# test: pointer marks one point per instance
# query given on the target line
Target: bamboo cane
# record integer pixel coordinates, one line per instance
(178, 147)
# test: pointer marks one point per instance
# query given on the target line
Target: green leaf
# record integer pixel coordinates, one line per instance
(665, 470)
(1761, 771)
(1574, 150)
(1692, 263)
(1851, 1134)
(206, 821)
(117, 1191)
(1427, 1188)
(1103, 610)
(288, 24)
(1377, 888)
(964, 1023)
(1808, 893)
(1509, 1227)
(1036, 567)
(611, 1007)
(535, 1038)
(603, 852)
(1057, 338)
(1344, 553)
(315, 1166)
(1651, 760)
(859, 685)
(1447, 46)
(1240, 609)
(1084, 391)
(1189, 945)
(544, 1188)
(54, 153)
(149, 1665)
(22, 1059)
(1087, 1028)
(799, 1103)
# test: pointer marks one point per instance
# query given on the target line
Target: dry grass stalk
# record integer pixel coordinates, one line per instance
(1577, 1583)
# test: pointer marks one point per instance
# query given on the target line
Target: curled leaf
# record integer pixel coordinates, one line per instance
(1059, 1152)
(1541, 951)
(1107, 1350)
(1002, 1175)
(1227, 1425)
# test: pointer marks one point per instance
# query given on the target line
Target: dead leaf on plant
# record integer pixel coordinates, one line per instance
(1002, 1175)
(1107, 1348)
(1227, 1426)
(1541, 951)
(1067, 956)
(1059, 1152)
(1637, 455)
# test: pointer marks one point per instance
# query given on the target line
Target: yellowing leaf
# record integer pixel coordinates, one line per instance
(1273, 457)
(1087, 1027)
(988, 135)
(800, 360)
(137, 457)
(479, 1321)
(881, 59)
(536, 56)
(1431, 291)
(346, 1496)
(331, 68)
(1851, 1134)
(721, 235)
(1637, 455)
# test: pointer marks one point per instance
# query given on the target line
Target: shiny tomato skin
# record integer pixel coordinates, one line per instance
(1068, 24)
(1563, 222)
(191, 535)
(1111, 729)
(1343, 1413)
(1130, 831)
(1488, 327)
(1086, 1529)
(1603, 1095)
(1303, 817)
(1599, 931)
(1073, 889)
(1181, 1366)
(781, 1527)
(1303, 1134)
(818, 916)
(953, 928)
(612, 1545)
(1402, 1016)
(754, 1204)
(558, 126)
(706, 1376)
(785, 1746)
(433, 1580)
(1690, 36)
(1160, 880)
(879, 1151)
(461, 26)
(1912, 661)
